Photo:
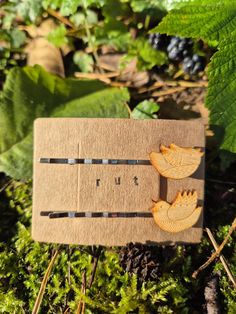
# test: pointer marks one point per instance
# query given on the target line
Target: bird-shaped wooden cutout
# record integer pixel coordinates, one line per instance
(176, 162)
(178, 216)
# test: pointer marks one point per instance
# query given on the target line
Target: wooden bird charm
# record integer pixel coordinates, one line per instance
(176, 162)
(180, 215)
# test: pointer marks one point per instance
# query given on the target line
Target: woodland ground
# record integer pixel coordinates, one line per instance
(106, 41)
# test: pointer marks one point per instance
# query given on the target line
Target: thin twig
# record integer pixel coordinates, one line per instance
(160, 84)
(86, 251)
(69, 264)
(220, 181)
(222, 258)
(168, 91)
(3, 188)
(67, 310)
(44, 283)
(217, 252)
(104, 77)
(59, 17)
(81, 305)
(95, 264)
(192, 84)
(96, 75)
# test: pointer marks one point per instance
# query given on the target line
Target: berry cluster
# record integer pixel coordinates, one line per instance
(179, 49)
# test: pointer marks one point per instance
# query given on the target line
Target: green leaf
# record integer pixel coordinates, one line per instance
(80, 18)
(150, 57)
(92, 17)
(30, 93)
(175, 4)
(145, 110)
(221, 97)
(147, 56)
(8, 20)
(122, 9)
(69, 7)
(28, 9)
(108, 103)
(17, 38)
(212, 21)
(114, 33)
(83, 61)
(141, 5)
(208, 20)
(53, 4)
(58, 36)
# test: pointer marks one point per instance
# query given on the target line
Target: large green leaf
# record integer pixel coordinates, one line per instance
(212, 20)
(30, 93)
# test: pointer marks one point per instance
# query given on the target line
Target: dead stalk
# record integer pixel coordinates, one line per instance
(217, 252)
(81, 305)
(44, 283)
(222, 259)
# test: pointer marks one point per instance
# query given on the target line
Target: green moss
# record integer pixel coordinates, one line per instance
(23, 263)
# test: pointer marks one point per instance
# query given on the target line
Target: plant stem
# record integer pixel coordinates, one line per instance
(222, 259)
(3, 188)
(81, 305)
(44, 283)
(90, 42)
(217, 252)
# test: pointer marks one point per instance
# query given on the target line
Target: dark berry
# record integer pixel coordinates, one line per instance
(185, 53)
(158, 41)
(179, 48)
(174, 54)
(193, 65)
(187, 64)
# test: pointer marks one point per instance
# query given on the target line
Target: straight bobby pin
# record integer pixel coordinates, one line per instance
(74, 161)
(96, 214)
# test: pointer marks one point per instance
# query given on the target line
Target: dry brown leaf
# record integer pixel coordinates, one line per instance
(129, 74)
(43, 53)
(40, 51)
(179, 216)
(110, 61)
(176, 162)
(40, 31)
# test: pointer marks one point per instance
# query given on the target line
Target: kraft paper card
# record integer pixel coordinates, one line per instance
(94, 183)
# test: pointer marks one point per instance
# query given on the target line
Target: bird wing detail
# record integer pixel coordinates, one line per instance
(176, 162)
(183, 205)
(179, 156)
(172, 226)
(180, 215)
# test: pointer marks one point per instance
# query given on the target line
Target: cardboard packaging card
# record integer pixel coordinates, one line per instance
(96, 183)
